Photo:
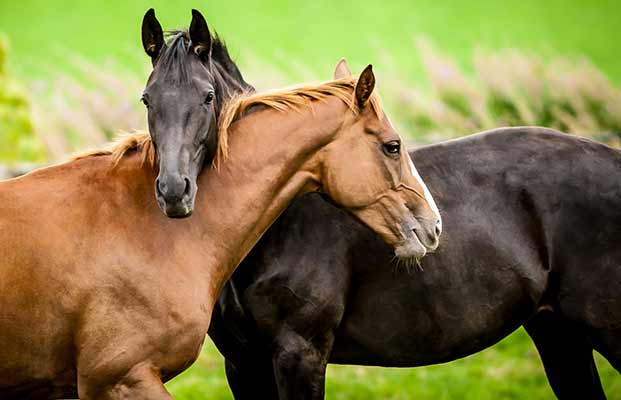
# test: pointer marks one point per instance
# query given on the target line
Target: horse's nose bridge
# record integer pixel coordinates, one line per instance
(172, 146)
(174, 163)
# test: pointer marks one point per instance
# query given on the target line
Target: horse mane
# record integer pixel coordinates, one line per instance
(173, 57)
(292, 98)
(221, 56)
(125, 143)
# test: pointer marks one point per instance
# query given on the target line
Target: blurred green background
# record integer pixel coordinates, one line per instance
(316, 33)
(71, 73)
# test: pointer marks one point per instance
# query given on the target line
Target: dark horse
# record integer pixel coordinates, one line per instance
(193, 76)
(532, 237)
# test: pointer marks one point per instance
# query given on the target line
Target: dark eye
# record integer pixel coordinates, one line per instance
(144, 101)
(209, 98)
(393, 147)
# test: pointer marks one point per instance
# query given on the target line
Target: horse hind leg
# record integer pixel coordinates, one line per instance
(567, 357)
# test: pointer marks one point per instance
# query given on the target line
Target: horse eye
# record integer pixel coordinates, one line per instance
(209, 98)
(393, 147)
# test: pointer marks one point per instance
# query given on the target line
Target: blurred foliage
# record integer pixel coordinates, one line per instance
(18, 142)
(87, 107)
(507, 88)
(316, 32)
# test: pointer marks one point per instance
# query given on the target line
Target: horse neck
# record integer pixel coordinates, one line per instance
(227, 84)
(273, 157)
(225, 66)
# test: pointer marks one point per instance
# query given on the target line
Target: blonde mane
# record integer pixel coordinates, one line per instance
(292, 98)
(139, 141)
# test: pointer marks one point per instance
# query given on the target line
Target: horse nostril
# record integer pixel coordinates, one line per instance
(188, 187)
(438, 228)
(158, 188)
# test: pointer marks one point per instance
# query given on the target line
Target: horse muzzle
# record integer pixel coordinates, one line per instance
(420, 238)
(175, 195)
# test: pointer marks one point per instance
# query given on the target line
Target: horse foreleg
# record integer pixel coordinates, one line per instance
(567, 357)
(252, 381)
(300, 365)
(140, 383)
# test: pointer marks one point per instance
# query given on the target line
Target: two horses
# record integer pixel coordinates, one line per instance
(104, 297)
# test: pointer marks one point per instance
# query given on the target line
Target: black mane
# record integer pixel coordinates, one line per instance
(220, 54)
(173, 58)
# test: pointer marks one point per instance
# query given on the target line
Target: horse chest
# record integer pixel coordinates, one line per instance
(178, 327)
(163, 327)
(183, 344)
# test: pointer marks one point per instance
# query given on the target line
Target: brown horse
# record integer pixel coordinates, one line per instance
(104, 297)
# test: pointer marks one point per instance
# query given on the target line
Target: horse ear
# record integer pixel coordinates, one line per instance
(364, 86)
(200, 36)
(342, 70)
(152, 35)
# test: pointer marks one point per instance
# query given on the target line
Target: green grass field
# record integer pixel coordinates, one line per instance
(304, 40)
(316, 34)
(509, 370)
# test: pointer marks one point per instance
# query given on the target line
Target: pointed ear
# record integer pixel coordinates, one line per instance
(342, 70)
(200, 36)
(364, 86)
(152, 35)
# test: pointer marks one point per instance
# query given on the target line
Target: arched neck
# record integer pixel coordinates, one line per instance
(274, 157)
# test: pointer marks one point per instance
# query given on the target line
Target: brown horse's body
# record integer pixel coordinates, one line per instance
(84, 252)
(103, 296)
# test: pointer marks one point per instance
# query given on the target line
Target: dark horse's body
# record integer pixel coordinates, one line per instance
(532, 237)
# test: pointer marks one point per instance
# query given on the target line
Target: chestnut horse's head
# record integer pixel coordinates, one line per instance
(191, 79)
(380, 184)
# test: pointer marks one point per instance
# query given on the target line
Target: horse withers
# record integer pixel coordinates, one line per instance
(191, 80)
(103, 298)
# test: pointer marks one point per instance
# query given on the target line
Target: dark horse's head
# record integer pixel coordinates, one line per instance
(192, 77)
